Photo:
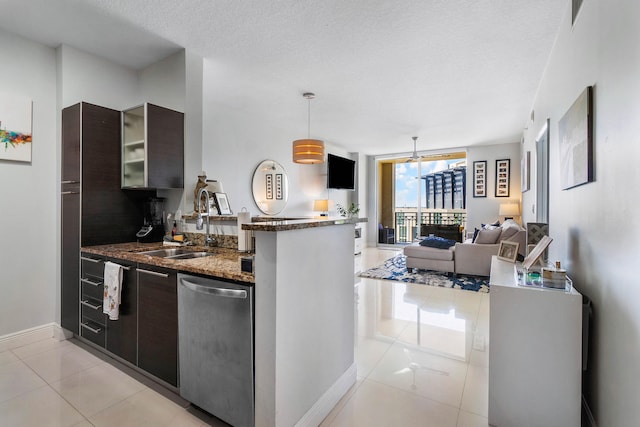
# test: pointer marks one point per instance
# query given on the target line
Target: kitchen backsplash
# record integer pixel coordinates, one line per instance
(224, 241)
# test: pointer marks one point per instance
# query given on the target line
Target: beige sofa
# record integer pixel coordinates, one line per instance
(467, 258)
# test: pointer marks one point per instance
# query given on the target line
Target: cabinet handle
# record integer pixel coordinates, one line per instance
(91, 282)
(88, 304)
(64, 193)
(94, 330)
(153, 273)
(70, 182)
(90, 259)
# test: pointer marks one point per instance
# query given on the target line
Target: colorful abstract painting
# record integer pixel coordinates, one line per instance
(15, 128)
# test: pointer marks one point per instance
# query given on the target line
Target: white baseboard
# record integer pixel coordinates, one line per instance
(31, 335)
(329, 399)
(588, 420)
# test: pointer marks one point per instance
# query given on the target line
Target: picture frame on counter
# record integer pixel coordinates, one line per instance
(532, 258)
(503, 177)
(222, 202)
(480, 178)
(508, 251)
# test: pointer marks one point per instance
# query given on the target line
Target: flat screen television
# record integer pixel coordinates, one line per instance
(341, 172)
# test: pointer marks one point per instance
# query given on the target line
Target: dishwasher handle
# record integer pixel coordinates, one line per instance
(212, 290)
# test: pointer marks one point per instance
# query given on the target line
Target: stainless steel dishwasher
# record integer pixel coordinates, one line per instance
(215, 330)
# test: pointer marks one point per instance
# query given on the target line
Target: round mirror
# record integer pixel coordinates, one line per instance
(270, 187)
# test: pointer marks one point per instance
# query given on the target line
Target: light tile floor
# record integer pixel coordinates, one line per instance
(421, 352)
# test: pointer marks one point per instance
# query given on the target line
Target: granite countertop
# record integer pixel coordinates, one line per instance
(299, 224)
(225, 263)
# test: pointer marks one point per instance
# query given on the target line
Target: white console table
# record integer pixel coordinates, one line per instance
(535, 353)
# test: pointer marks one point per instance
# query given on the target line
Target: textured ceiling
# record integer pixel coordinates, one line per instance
(453, 72)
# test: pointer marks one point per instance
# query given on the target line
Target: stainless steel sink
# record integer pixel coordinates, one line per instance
(191, 255)
(176, 253)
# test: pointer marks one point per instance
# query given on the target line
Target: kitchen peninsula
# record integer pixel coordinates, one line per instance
(303, 313)
(304, 319)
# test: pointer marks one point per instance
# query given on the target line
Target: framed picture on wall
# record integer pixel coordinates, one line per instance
(480, 178)
(503, 176)
(575, 130)
(15, 128)
(269, 186)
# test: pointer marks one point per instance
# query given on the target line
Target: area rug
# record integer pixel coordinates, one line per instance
(396, 269)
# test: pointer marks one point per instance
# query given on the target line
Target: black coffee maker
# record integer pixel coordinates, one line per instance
(153, 222)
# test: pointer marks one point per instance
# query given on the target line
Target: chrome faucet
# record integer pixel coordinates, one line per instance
(208, 240)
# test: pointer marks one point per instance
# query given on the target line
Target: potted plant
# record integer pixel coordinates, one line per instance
(348, 212)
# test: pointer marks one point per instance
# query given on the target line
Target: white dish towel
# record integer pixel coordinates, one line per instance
(112, 289)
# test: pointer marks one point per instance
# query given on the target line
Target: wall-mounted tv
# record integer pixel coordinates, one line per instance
(341, 172)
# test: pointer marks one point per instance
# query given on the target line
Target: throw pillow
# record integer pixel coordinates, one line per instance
(488, 236)
(437, 242)
(491, 226)
(509, 229)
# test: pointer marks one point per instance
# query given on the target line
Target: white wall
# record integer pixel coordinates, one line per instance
(90, 78)
(29, 192)
(594, 225)
(485, 209)
(193, 121)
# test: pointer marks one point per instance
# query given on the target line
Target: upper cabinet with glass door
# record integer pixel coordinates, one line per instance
(152, 147)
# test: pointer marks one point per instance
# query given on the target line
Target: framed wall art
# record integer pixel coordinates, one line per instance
(15, 128)
(575, 130)
(575, 8)
(269, 186)
(278, 186)
(480, 178)
(503, 176)
(525, 177)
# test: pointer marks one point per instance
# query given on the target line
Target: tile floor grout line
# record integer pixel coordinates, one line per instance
(414, 394)
(49, 386)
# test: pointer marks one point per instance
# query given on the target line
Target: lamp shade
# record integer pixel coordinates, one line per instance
(321, 205)
(308, 151)
(509, 209)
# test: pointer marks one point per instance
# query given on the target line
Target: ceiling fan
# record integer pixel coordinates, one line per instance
(414, 156)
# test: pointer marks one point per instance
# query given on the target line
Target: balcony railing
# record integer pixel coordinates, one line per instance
(407, 227)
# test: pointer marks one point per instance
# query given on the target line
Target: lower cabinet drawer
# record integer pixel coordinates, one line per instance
(92, 310)
(92, 331)
(92, 266)
(92, 288)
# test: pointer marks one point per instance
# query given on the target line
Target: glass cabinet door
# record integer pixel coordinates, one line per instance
(134, 153)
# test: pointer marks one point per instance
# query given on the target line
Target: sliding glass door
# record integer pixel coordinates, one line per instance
(423, 191)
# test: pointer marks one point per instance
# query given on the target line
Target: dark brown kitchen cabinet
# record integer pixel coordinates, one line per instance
(122, 334)
(158, 322)
(70, 260)
(94, 208)
(152, 147)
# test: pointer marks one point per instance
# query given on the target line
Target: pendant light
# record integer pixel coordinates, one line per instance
(308, 151)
